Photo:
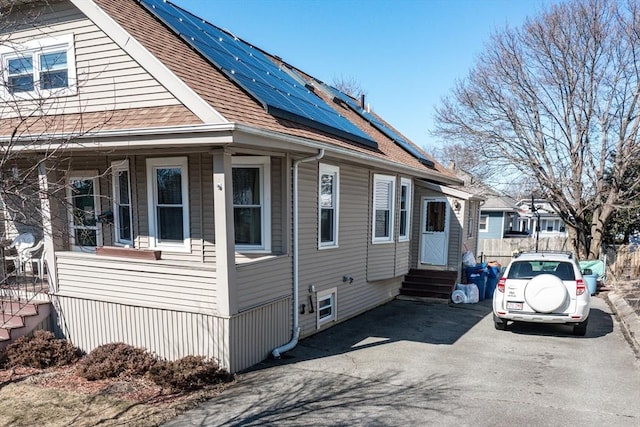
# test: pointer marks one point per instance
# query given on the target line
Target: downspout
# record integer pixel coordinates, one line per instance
(295, 332)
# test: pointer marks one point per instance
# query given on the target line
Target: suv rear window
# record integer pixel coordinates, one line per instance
(529, 269)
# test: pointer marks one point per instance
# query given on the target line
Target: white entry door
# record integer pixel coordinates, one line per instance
(434, 241)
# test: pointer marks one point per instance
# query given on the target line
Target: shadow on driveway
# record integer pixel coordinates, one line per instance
(360, 388)
(399, 320)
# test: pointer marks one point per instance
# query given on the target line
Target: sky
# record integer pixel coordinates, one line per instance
(405, 54)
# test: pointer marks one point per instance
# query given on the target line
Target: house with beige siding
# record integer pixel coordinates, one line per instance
(198, 195)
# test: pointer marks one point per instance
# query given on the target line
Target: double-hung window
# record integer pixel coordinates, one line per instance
(168, 194)
(328, 192)
(84, 204)
(39, 68)
(383, 207)
(122, 202)
(484, 223)
(405, 209)
(251, 178)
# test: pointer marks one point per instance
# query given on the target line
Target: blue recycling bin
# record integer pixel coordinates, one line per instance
(592, 282)
(492, 281)
(478, 276)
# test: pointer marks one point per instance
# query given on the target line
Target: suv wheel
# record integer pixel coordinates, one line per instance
(580, 329)
(499, 323)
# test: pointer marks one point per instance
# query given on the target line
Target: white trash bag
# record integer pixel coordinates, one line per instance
(458, 296)
(471, 292)
(468, 260)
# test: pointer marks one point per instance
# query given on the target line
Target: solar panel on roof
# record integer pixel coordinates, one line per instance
(280, 94)
(382, 127)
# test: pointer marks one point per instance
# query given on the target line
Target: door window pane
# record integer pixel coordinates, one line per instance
(84, 209)
(436, 216)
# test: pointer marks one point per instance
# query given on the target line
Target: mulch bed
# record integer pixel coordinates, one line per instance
(139, 390)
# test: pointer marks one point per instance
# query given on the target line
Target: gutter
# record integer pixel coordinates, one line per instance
(295, 332)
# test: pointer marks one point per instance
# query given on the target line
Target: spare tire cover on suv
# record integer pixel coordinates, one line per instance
(545, 293)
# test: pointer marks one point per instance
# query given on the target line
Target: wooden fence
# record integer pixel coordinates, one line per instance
(622, 261)
(502, 250)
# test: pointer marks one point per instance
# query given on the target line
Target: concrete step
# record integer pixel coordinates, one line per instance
(11, 321)
(16, 307)
(15, 326)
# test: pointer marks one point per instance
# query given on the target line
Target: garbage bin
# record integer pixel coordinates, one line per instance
(492, 281)
(592, 280)
(478, 276)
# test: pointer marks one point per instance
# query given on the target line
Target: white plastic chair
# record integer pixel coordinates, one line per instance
(22, 243)
(25, 257)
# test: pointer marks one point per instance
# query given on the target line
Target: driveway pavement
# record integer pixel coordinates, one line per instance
(429, 363)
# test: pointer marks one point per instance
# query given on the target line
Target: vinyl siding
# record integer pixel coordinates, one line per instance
(495, 225)
(456, 237)
(263, 280)
(256, 332)
(152, 284)
(324, 269)
(278, 205)
(107, 77)
(169, 333)
(402, 258)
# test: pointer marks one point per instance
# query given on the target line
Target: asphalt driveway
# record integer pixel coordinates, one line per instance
(428, 363)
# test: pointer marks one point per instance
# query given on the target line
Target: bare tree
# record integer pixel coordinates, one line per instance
(557, 101)
(36, 129)
(349, 85)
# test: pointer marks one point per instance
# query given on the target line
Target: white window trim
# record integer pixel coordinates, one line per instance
(326, 169)
(330, 294)
(167, 162)
(486, 228)
(116, 168)
(264, 165)
(84, 175)
(406, 182)
(392, 180)
(34, 48)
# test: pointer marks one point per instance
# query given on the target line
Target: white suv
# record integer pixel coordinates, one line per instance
(542, 287)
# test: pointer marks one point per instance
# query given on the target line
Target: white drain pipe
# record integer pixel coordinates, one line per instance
(295, 333)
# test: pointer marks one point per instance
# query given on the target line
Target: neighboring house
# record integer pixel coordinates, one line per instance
(276, 204)
(544, 215)
(499, 218)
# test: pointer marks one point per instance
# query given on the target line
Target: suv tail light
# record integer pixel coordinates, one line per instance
(503, 281)
(580, 288)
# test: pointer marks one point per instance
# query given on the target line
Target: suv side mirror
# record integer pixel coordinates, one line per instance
(587, 272)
